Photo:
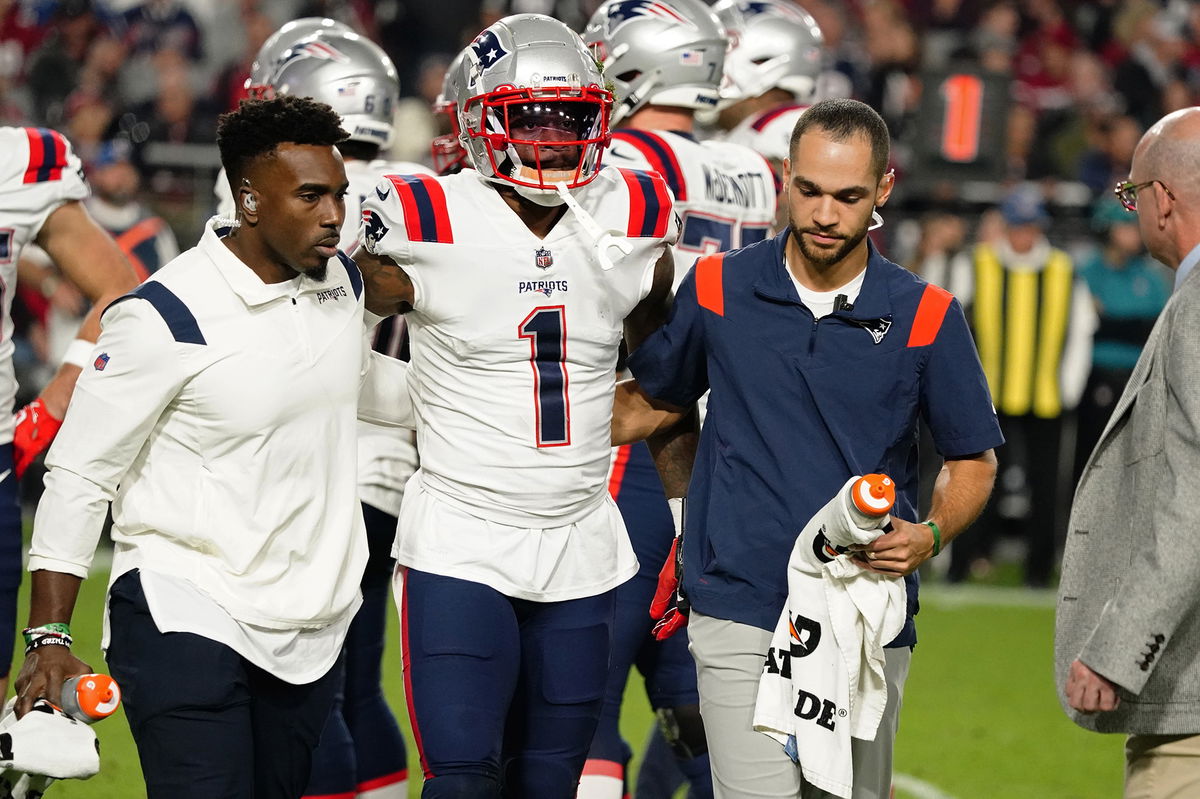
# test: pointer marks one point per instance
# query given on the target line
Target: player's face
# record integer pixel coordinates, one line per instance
(831, 191)
(301, 205)
(547, 123)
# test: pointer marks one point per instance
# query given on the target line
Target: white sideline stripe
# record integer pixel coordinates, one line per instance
(951, 596)
(918, 787)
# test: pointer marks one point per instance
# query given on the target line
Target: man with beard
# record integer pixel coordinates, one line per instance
(820, 355)
(218, 418)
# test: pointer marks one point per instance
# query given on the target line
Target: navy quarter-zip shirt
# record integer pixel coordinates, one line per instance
(799, 405)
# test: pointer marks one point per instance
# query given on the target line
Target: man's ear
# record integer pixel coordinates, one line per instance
(884, 190)
(787, 172)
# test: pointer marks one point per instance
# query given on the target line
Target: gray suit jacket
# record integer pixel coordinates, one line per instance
(1129, 600)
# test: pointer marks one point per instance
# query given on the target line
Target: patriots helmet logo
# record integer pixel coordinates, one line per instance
(785, 10)
(373, 229)
(312, 49)
(487, 50)
(626, 11)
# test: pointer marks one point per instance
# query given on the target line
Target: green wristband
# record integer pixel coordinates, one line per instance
(937, 536)
(53, 628)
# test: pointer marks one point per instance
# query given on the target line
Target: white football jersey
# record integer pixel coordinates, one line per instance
(39, 174)
(515, 338)
(361, 175)
(769, 132)
(725, 194)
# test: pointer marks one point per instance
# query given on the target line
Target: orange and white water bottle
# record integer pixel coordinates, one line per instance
(871, 497)
(90, 697)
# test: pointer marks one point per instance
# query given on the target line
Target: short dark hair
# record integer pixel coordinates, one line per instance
(843, 119)
(257, 127)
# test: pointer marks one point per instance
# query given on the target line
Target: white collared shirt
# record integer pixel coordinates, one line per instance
(219, 417)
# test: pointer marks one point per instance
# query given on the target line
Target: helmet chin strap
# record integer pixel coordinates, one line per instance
(602, 240)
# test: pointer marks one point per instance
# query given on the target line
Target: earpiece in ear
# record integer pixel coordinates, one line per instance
(249, 203)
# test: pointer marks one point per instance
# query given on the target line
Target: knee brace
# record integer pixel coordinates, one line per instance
(684, 730)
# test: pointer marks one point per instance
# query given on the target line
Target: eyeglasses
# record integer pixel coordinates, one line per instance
(1127, 192)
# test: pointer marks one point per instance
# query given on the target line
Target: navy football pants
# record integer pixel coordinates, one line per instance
(361, 746)
(503, 693)
(208, 724)
(10, 557)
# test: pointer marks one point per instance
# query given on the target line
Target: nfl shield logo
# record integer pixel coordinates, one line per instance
(101, 361)
(543, 259)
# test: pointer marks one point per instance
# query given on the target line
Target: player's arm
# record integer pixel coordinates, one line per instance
(45, 668)
(389, 290)
(90, 259)
(94, 263)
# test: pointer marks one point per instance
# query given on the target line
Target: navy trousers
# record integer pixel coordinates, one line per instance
(209, 724)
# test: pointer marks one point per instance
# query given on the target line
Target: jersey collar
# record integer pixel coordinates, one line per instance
(873, 302)
(239, 276)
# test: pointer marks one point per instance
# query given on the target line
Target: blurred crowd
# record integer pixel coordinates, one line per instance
(137, 87)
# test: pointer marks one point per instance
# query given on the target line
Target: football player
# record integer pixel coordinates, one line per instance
(41, 193)
(520, 274)
(771, 72)
(362, 751)
(449, 155)
(665, 61)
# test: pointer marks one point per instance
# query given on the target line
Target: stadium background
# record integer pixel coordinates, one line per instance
(1064, 88)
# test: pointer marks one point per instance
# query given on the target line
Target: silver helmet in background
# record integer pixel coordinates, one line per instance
(773, 44)
(532, 108)
(350, 73)
(266, 60)
(658, 52)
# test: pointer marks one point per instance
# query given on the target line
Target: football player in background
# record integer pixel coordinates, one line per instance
(449, 155)
(520, 275)
(41, 194)
(665, 62)
(362, 751)
(771, 72)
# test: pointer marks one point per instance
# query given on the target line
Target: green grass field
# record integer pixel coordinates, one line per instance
(980, 719)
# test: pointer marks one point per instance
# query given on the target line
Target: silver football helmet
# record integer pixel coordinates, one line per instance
(448, 153)
(532, 107)
(267, 58)
(347, 71)
(772, 44)
(660, 52)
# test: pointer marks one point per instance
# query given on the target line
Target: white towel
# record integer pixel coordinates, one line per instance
(43, 745)
(823, 680)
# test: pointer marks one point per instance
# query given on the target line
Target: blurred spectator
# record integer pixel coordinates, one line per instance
(894, 54)
(176, 116)
(1129, 288)
(156, 25)
(1033, 322)
(1108, 158)
(1155, 61)
(115, 204)
(54, 68)
(23, 25)
(230, 84)
(942, 256)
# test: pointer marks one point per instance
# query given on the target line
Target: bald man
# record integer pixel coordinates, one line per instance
(1127, 634)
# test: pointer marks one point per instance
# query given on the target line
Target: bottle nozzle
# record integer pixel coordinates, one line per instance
(874, 494)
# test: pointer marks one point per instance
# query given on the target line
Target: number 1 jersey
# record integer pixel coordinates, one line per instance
(514, 339)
